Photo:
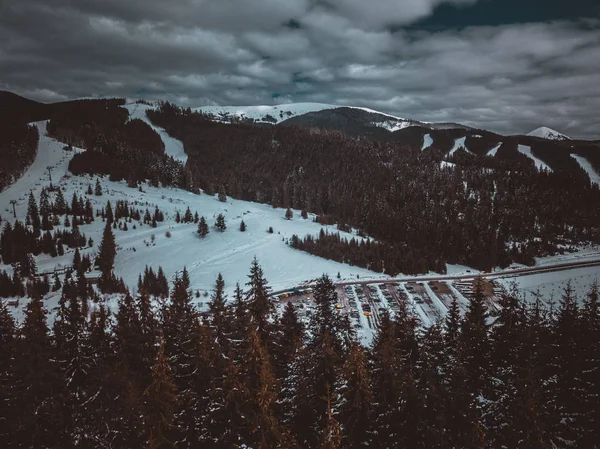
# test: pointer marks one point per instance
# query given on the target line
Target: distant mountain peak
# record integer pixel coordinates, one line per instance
(548, 133)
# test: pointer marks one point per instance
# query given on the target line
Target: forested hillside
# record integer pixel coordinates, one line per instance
(245, 376)
(488, 211)
(18, 147)
(119, 147)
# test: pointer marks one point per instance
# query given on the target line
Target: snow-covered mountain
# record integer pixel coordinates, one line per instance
(262, 114)
(548, 133)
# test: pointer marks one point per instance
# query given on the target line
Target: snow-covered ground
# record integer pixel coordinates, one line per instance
(548, 133)
(427, 141)
(494, 150)
(459, 143)
(585, 164)
(526, 150)
(551, 285)
(173, 147)
(51, 155)
(229, 253)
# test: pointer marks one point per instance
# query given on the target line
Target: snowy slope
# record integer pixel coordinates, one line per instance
(526, 150)
(584, 163)
(427, 141)
(50, 154)
(548, 133)
(494, 150)
(173, 147)
(459, 143)
(229, 253)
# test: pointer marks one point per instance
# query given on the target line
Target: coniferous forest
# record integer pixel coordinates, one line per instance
(159, 374)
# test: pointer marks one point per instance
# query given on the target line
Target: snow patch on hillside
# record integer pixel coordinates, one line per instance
(585, 164)
(524, 149)
(427, 141)
(494, 150)
(173, 147)
(548, 133)
(459, 143)
(393, 125)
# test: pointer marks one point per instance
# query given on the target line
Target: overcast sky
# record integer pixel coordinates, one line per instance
(505, 65)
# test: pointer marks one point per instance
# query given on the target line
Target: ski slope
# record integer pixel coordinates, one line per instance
(427, 141)
(584, 163)
(540, 165)
(50, 154)
(494, 150)
(173, 147)
(459, 143)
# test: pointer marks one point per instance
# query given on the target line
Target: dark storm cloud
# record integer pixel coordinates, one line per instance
(509, 78)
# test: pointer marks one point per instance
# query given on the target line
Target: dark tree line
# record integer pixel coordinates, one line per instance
(243, 376)
(18, 147)
(470, 215)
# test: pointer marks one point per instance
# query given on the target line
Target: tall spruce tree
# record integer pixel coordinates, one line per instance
(590, 369)
(220, 223)
(33, 215)
(107, 251)
(259, 304)
(160, 399)
(202, 228)
(8, 381)
(354, 414)
(41, 413)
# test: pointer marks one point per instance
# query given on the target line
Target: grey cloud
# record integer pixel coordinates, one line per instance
(509, 78)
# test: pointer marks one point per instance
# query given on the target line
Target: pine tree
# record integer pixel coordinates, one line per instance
(75, 357)
(566, 367)
(243, 226)
(432, 371)
(185, 278)
(41, 414)
(474, 342)
(289, 214)
(202, 228)
(107, 251)
(219, 315)
(98, 188)
(60, 205)
(188, 217)
(259, 304)
(222, 194)
(354, 412)
(590, 369)
(33, 215)
(109, 213)
(8, 381)
(160, 400)
(220, 223)
(162, 283)
(452, 328)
